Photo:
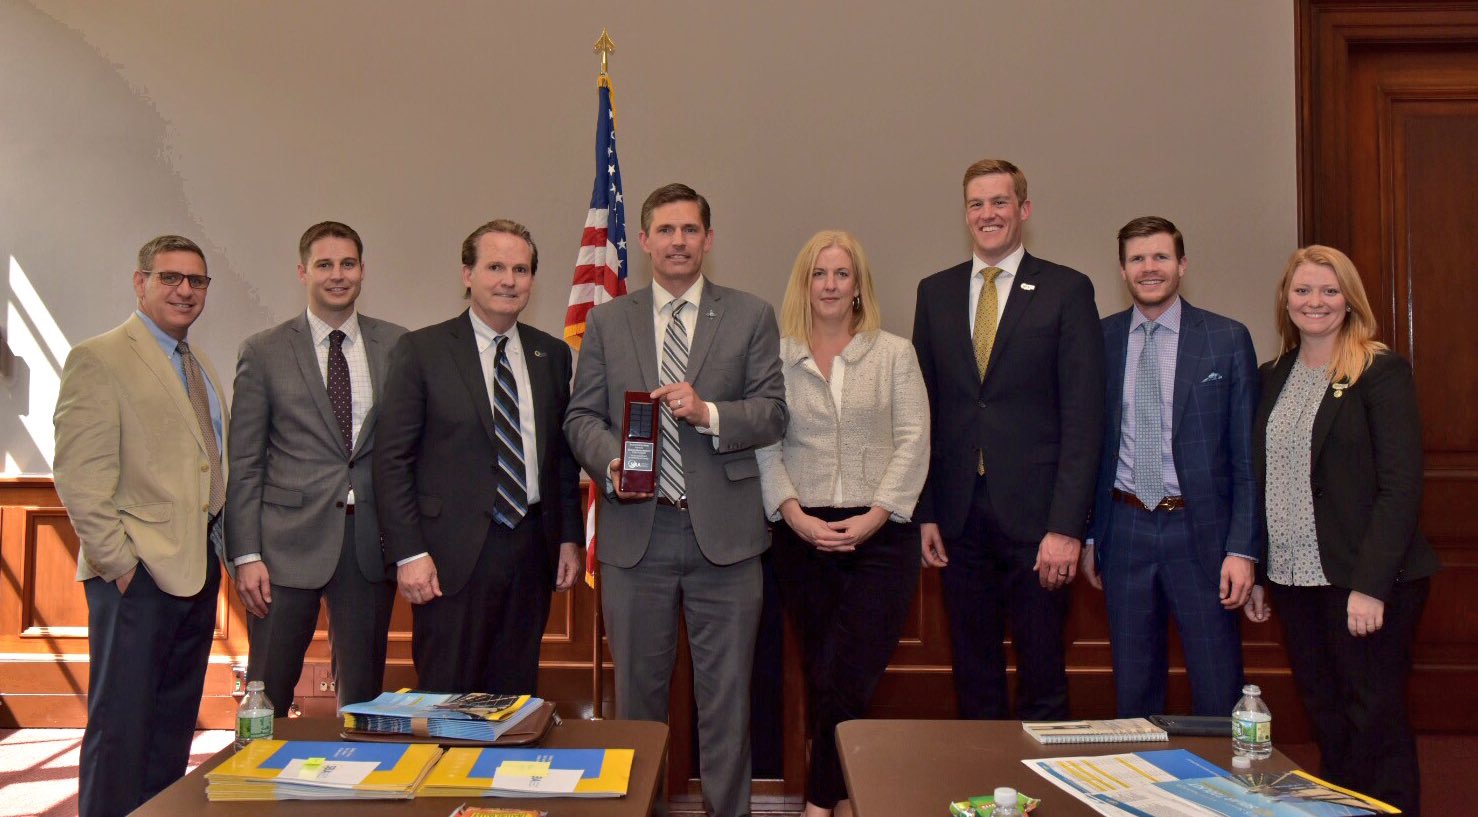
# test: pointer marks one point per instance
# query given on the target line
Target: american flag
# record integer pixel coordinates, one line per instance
(600, 271)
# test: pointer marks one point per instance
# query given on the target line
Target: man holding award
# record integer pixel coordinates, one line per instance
(703, 361)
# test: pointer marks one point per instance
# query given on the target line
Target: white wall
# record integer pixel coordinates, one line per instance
(241, 123)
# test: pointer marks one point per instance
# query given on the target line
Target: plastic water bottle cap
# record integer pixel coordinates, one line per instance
(1005, 795)
(1242, 762)
(1252, 689)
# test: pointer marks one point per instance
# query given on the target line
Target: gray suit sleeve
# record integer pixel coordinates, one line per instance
(251, 415)
(588, 426)
(759, 418)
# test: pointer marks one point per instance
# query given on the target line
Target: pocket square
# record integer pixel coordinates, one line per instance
(1212, 378)
(1028, 287)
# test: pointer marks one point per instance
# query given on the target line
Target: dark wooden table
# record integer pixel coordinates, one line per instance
(919, 767)
(649, 739)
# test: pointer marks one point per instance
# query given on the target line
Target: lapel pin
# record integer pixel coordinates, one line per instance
(1339, 389)
(1028, 287)
(710, 314)
(539, 353)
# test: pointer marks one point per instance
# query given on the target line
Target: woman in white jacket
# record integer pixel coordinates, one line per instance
(844, 480)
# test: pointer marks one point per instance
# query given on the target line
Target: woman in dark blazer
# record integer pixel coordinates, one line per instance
(1337, 449)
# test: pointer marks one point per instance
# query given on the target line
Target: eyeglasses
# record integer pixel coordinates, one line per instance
(173, 279)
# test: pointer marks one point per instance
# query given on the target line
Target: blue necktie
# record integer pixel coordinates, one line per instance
(513, 494)
(1149, 482)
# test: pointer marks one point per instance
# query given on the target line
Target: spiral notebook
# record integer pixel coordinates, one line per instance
(1122, 730)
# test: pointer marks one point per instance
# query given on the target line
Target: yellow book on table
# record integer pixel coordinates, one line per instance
(495, 772)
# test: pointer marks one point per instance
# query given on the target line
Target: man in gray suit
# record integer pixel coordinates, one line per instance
(300, 497)
(710, 355)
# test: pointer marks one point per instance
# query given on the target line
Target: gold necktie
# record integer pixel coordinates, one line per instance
(985, 320)
(985, 336)
(200, 401)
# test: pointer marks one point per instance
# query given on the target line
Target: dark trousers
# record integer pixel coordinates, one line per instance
(486, 636)
(148, 653)
(849, 609)
(989, 579)
(1151, 571)
(358, 623)
(1354, 688)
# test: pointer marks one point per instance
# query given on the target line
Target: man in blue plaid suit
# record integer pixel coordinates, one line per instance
(1176, 512)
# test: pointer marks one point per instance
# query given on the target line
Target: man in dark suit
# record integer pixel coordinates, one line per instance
(711, 356)
(1012, 357)
(1176, 514)
(301, 499)
(139, 427)
(479, 498)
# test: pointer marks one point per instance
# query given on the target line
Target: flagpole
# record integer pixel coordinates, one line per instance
(604, 47)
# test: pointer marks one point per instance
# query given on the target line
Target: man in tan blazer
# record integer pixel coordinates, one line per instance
(139, 425)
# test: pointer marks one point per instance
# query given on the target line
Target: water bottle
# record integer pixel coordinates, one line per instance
(254, 716)
(1252, 725)
(1006, 805)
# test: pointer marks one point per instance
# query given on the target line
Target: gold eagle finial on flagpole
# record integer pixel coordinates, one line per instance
(605, 47)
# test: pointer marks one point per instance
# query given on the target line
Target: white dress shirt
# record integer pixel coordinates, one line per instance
(662, 315)
(1008, 267)
(487, 353)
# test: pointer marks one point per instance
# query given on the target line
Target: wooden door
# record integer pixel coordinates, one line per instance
(1389, 173)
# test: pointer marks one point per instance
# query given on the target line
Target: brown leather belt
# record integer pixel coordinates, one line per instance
(680, 504)
(1169, 503)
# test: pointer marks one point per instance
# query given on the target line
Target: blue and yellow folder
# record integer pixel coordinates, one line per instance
(495, 772)
(311, 770)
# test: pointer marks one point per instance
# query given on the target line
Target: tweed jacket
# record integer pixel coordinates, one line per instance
(873, 450)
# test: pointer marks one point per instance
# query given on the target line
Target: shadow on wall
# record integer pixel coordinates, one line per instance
(85, 179)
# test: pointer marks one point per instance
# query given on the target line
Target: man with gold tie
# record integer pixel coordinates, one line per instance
(1012, 357)
(139, 427)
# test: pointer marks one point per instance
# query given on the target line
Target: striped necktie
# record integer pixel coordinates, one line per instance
(670, 481)
(512, 501)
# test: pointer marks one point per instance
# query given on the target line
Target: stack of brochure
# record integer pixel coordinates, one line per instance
(1122, 730)
(494, 772)
(321, 770)
(472, 716)
(1175, 781)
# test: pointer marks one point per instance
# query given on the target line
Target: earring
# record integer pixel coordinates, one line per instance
(1347, 309)
(856, 303)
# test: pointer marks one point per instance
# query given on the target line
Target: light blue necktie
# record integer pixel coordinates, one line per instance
(1149, 482)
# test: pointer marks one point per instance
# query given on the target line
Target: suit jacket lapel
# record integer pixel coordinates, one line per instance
(955, 320)
(463, 344)
(1329, 408)
(1023, 288)
(644, 334)
(1190, 349)
(147, 348)
(541, 383)
(379, 359)
(1116, 357)
(708, 316)
(301, 340)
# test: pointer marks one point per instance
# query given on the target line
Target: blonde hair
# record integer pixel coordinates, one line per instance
(1355, 347)
(795, 312)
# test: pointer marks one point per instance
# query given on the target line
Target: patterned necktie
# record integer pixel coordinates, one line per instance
(1149, 483)
(986, 307)
(200, 402)
(340, 395)
(670, 481)
(985, 336)
(513, 494)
